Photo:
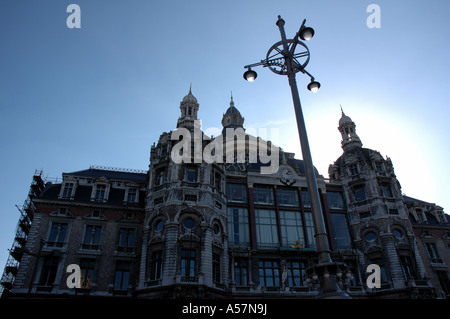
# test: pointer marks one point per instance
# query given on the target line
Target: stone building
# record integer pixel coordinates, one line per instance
(189, 227)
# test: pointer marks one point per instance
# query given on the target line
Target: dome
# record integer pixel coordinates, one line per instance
(345, 119)
(232, 110)
(189, 98)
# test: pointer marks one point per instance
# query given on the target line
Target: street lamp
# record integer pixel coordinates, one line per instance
(283, 59)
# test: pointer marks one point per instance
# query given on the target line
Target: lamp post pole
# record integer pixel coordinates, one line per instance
(326, 269)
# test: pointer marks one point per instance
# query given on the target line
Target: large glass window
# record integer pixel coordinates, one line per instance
(306, 199)
(296, 273)
(237, 193)
(291, 228)
(263, 195)
(238, 229)
(341, 232)
(310, 229)
(266, 228)
(287, 197)
(241, 271)
(335, 200)
(269, 273)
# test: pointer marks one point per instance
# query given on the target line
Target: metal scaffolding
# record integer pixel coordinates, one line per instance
(21, 236)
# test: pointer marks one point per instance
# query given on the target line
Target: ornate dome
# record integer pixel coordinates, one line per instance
(189, 97)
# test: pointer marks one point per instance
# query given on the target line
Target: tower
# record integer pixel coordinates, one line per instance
(348, 132)
(232, 118)
(189, 109)
(383, 234)
(185, 245)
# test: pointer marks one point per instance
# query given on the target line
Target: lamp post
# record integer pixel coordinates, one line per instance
(283, 59)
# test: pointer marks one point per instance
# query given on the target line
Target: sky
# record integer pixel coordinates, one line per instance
(103, 93)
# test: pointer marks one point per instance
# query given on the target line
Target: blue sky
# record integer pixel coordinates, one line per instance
(102, 94)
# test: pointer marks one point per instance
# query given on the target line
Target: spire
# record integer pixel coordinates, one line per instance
(190, 88)
(232, 117)
(348, 132)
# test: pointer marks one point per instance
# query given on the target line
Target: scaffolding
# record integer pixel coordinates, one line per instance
(22, 231)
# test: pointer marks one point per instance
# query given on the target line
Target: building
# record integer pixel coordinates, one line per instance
(192, 227)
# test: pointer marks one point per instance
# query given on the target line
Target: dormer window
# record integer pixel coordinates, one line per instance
(132, 195)
(100, 192)
(68, 190)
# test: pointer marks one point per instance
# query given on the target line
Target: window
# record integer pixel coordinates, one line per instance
(269, 273)
(379, 167)
(335, 200)
(92, 237)
(156, 265)
(287, 197)
(49, 269)
(386, 190)
(189, 223)
(87, 267)
(191, 174)
(100, 192)
(188, 264)
(353, 168)
(266, 228)
(443, 281)
(241, 272)
(122, 275)
(360, 193)
(263, 195)
(407, 267)
(216, 267)
(296, 273)
(68, 188)
(309, 223)
(160, 176)
(57, 235)
(190, 197)
(238, 228)
(370, 237)
(126, 237)
(306, 199)
(218, 181)
(383, 272)
(341, 232)
(398, 233)
(291, 228)
(132, 195)
(433, 253)
(237, 193)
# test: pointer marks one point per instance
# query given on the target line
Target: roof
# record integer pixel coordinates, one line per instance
(119, 174)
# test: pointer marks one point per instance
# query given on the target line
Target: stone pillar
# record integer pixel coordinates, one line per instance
(170, 254)
(391, 256)
(206, 257)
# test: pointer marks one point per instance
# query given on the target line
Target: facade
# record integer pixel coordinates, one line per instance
(198, 229)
